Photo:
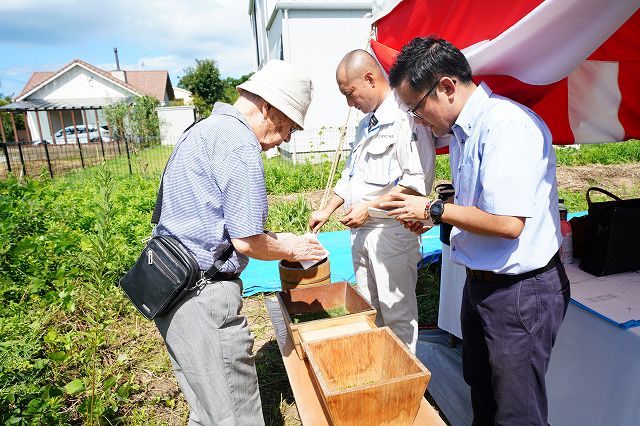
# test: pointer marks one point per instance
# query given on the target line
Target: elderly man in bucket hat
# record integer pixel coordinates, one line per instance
(214, 198)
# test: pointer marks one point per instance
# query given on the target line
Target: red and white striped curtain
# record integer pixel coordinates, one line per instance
(575, 62)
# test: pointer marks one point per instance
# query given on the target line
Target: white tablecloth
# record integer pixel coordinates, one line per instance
(594, 372)
(452, 277)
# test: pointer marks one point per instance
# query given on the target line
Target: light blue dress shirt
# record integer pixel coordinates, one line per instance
(502, 161)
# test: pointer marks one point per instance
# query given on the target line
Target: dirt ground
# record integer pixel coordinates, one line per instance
(278, 403)
(621, 179)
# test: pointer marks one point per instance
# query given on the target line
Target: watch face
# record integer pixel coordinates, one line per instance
(436, 210)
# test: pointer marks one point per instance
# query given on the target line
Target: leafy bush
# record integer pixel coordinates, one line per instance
(64, 243)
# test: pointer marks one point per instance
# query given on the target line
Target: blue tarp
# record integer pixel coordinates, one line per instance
(263, 276)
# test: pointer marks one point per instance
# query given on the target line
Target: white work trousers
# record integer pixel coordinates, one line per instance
(385, 260)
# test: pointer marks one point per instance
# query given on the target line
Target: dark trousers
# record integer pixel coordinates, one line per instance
(508, 330)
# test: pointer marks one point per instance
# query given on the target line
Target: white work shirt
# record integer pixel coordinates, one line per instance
(502, 162)
(386, 156)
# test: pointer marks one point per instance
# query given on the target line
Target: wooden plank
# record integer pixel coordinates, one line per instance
(312, 411)
(349, 324)
(319, 297)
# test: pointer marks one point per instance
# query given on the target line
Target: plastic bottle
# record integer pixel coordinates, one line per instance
(566, 248)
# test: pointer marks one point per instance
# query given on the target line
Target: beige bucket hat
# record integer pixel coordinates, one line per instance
(283, 86)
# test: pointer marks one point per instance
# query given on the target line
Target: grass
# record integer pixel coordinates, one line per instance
(283, 177)
(73, 350)
(428, 295)
(608, 153)
(293, 216)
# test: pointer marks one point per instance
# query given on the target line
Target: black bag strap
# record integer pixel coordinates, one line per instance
(604, 191)
(217, 264)
(444, 191)
(157, 210)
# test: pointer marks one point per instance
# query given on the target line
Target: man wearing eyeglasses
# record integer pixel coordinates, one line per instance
(506, 229)
(385, 159)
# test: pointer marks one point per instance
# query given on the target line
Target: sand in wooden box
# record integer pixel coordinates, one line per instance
(368, 378)
(320, 298)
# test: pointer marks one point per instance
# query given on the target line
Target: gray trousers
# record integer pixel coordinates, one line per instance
(210, 348)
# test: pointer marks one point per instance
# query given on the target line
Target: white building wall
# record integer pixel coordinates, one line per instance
(316, 40)
(276, 39)
(173, 121)
(183, 94)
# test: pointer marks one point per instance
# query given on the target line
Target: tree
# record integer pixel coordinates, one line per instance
(204, 83)
(7, 126)
(138, 120)
(230, 93)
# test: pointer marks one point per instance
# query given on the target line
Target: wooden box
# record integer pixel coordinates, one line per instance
(321, 297)
(368, 378)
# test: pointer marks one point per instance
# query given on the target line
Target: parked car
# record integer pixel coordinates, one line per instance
(71, 135)
(103, 134)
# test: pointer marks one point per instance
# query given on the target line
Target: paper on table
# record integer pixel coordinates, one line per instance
(614, 297)
(306, 264)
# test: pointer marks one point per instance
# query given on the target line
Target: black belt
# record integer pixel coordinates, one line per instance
(222, 276)
(495, 278)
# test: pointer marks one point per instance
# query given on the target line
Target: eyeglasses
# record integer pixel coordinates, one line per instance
(412, 112)
(294, 129)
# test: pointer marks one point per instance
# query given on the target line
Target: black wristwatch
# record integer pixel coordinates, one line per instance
(436, 210)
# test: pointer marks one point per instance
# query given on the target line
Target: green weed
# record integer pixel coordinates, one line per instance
(293, 216)
(283, 177)
(428, 294)
(606, 153)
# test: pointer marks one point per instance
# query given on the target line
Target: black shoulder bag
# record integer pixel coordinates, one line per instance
(165, 271)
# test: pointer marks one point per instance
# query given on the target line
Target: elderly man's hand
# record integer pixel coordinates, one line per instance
(355, 216)
(304, 248)
(406, 207)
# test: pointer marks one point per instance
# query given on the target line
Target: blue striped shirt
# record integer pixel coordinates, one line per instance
(214, 188)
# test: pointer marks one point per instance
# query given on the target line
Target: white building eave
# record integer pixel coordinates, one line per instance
(315, 5)
(66, 69)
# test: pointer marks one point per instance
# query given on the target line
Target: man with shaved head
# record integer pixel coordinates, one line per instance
(385, 159)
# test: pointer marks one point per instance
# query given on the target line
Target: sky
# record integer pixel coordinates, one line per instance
(45, 35)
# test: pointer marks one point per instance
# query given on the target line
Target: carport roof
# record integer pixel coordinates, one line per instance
(59, 104)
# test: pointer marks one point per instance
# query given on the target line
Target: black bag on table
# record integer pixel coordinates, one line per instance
(614, 235)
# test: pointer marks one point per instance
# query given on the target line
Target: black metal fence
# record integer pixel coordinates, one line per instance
(45, 159)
